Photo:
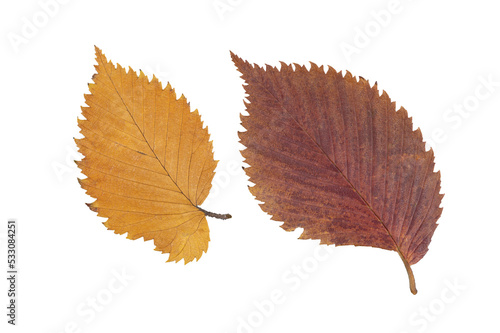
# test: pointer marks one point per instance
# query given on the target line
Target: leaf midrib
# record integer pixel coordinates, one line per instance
(140, 131)
(398, 250)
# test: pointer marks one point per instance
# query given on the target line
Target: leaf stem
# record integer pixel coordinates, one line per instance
(413, 286)
(217, 216)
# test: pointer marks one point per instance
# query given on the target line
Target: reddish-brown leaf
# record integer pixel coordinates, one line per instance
(329, 154)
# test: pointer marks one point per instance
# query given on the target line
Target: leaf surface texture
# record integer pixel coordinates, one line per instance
(148, 161)
(328, 153)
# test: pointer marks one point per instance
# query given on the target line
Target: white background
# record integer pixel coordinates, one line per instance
(429, 56)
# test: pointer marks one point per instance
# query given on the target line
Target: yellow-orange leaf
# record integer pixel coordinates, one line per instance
(148, 161)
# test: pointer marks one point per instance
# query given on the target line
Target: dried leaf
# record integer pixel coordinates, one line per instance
(329, 154)
(148, 161)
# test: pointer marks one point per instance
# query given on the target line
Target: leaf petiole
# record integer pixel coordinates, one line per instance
(413, 287)
(217, 216)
